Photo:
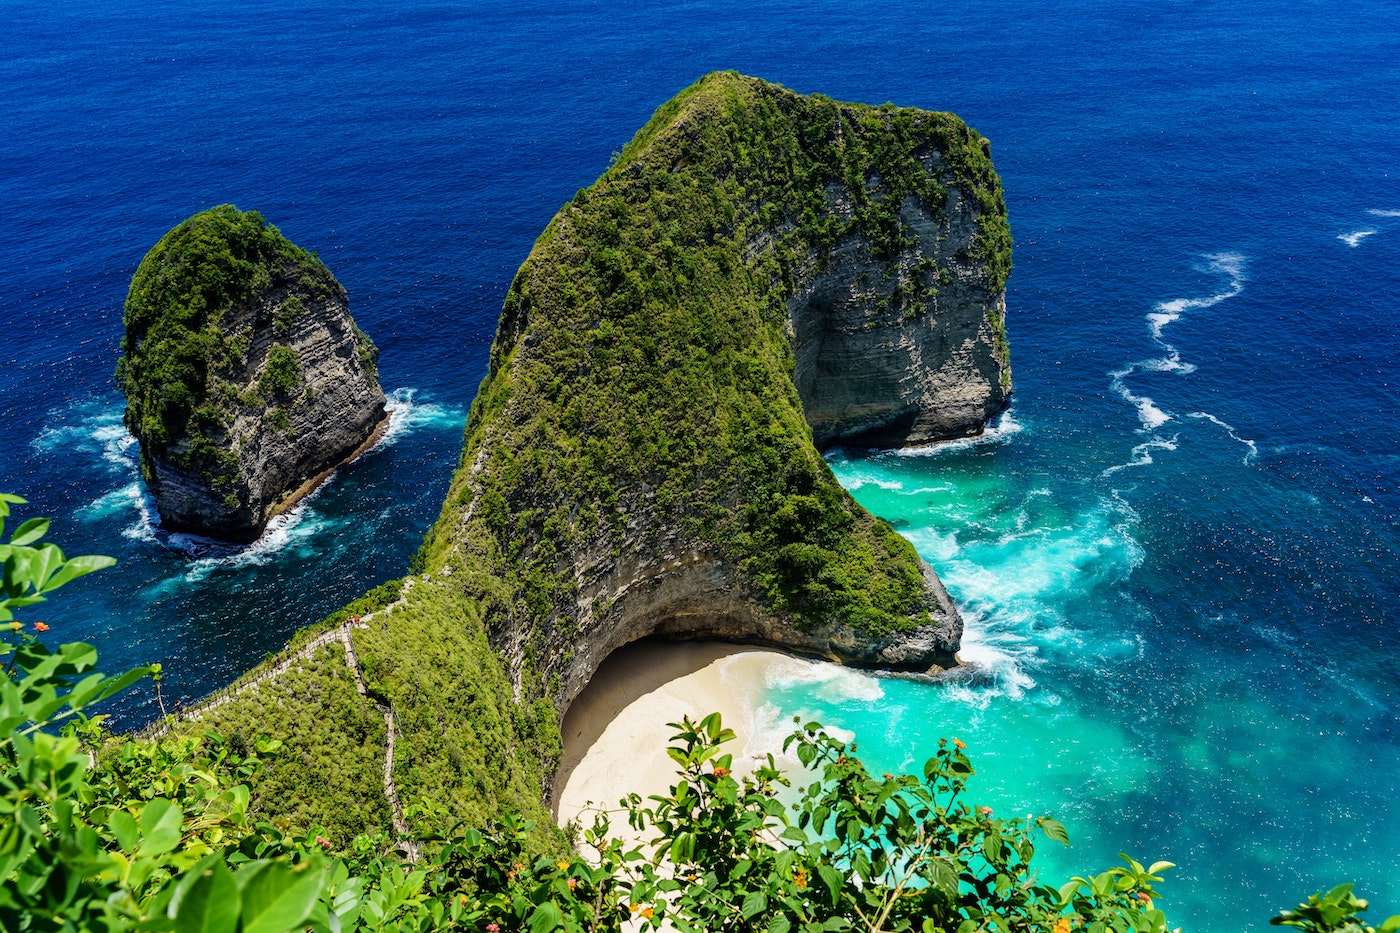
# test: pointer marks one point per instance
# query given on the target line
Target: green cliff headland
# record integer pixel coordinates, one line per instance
(758, 274)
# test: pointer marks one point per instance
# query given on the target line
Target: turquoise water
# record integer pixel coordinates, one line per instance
(1177, 559)
(1137, 673)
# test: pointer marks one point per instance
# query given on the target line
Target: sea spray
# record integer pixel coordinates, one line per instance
(94, 430)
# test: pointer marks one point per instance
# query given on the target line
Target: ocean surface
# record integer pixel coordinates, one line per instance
(1177, 552)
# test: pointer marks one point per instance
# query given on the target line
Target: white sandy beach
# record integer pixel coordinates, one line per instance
(615, 733)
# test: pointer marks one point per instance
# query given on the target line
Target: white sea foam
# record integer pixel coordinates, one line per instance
(1380, 212)
(1252, 451)
(95, 428)
(999, 431)
(999, 658)
(1151, 417)
(407, 416)
(827, 682)
(1012, 591)
(292, 528)
(926, 490)
(1142, 454)
(857, 481)
(823, 684)
(1354, 238)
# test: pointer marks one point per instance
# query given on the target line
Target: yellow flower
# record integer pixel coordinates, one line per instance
(1062, 925)
(563, 866)
(648, 912)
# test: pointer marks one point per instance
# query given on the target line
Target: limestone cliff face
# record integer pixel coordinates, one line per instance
(760, 275)
(885, 360)
(246, 379)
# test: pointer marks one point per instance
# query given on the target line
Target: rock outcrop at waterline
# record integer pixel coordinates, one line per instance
(761, 274)
(246, 379)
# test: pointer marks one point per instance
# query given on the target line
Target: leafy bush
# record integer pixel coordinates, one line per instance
(1337, 911)
(280, 375)
(331, 752)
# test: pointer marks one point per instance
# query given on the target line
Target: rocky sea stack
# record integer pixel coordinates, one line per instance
(245, 377)
(759, 276)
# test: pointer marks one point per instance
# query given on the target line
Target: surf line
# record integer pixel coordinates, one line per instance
(1354, 237)
(1230, 266)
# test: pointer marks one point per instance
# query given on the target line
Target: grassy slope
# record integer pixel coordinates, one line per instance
(657, 353)
(326, 773)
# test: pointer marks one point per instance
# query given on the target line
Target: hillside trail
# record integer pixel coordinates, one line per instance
(343, 634)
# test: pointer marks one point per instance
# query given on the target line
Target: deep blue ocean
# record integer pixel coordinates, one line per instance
(1177, 555)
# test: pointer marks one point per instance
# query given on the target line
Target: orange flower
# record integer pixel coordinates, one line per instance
(721, 772)
(1062, 925)
(40, 627)
(573, 883)
(648, 912)
(959, 743)
(800, 877)
(986, 812)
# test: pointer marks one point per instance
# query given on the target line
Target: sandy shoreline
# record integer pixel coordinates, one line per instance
(615, 733)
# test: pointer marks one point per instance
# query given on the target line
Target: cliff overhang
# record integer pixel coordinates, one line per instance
(760, 276)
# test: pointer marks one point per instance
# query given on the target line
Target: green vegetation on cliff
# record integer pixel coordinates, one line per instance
(178, 349)
(643, 368)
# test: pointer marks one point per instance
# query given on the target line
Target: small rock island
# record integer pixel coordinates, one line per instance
(246, 380)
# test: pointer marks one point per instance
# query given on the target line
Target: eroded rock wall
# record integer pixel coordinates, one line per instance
(901, 352)
(760, 275)
(280, 446)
